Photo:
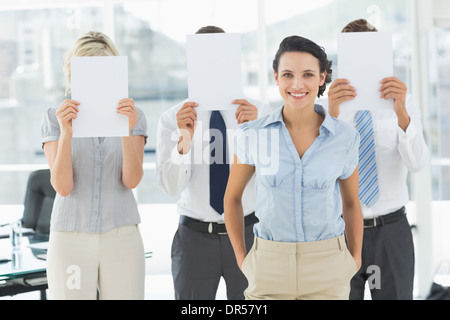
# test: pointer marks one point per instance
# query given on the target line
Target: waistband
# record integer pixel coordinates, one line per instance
(300, 247)
(384, 219)
(213, 227)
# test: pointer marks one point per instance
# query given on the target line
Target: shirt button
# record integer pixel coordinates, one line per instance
(98, 147)
(95, 213)
(97, 180)
(96, 196)
(98, 163)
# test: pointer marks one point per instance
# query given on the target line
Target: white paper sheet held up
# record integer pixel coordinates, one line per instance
(214, 70)
(99, 83)
(365, 58)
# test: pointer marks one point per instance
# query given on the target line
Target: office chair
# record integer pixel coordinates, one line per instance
(38, 202)
(38, 207)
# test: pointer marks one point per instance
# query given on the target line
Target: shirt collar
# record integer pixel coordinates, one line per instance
(328, 124)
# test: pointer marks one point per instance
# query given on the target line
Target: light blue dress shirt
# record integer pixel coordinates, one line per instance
(99, 200)
(298, 199)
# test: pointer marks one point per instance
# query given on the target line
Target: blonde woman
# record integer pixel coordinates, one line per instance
(95, 246)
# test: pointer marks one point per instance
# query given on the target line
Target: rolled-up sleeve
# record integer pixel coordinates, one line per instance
(242, 146)
(140, 128)
(352, 156)
(49, 126)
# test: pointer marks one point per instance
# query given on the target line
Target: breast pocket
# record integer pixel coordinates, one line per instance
(315, 199)
(387, 132)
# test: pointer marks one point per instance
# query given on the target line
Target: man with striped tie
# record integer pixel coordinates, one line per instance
(392, 144)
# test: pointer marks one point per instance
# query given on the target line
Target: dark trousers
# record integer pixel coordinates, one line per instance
(387, 263)
(200, 259)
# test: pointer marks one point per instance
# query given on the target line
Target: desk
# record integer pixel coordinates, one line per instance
(26, 269)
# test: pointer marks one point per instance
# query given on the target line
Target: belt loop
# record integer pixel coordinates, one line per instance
(256, 243)
(340, 243)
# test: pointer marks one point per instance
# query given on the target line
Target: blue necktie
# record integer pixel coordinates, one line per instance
(219, 170)
(368, 177)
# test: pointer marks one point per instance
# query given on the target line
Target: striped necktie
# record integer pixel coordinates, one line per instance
(368, 177)
(218, 171)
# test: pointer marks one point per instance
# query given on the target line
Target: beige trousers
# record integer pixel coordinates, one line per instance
(79, 264)
(315, 270)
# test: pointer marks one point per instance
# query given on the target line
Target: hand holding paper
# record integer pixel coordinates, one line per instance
(393, 88)
(98, 84)
(245, 111)
(214, 70)
(364, 59)
(66, 112)
(127, 108)
(186, 122)
(340, 90)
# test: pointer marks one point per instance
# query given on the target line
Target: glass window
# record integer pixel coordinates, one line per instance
(32, 45)
(439, 74)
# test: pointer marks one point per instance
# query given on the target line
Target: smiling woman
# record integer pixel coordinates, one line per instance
(301, 71)
(298, 82)
(302, 213)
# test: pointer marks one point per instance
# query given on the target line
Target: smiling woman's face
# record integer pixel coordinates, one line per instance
(299, 78)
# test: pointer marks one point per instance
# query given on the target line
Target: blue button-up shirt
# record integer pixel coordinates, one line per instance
(298, 199)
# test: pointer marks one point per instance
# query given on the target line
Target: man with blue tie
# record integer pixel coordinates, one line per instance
(201, 249)
(392, 143)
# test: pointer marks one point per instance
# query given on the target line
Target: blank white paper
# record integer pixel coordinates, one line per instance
(214, 70)
(365, 58)
(98, 84)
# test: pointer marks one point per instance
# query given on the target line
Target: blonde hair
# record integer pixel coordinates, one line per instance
(91, 44)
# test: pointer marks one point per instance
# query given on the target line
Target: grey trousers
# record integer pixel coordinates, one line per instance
(200, 259)
(387, 263)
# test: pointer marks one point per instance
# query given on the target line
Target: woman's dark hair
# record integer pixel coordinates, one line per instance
(300, 44)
